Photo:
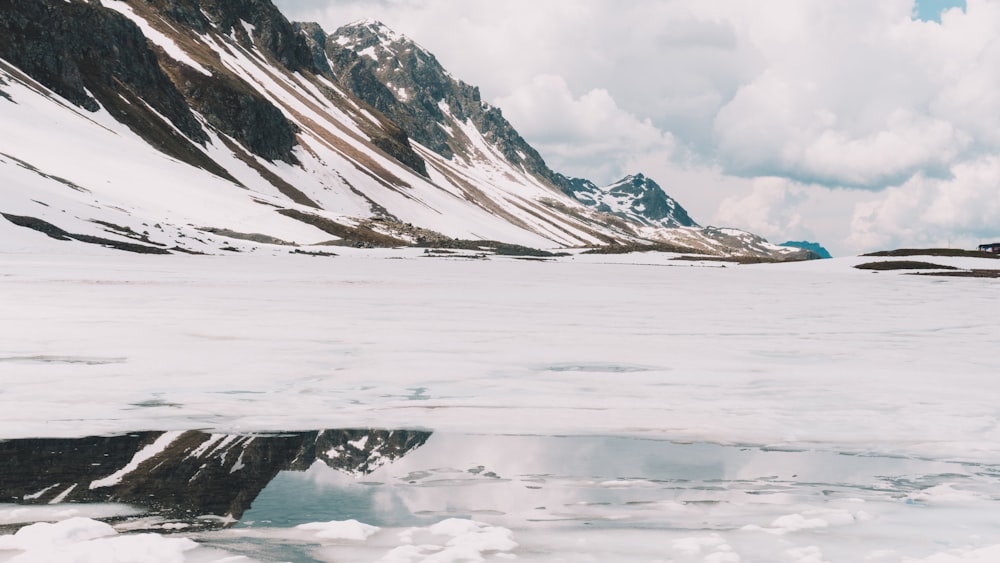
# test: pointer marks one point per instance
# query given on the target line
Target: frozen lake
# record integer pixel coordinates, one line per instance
(590, 409)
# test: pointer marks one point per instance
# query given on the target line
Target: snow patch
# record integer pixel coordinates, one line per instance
(158, 38)
(62, 496)
(203, 448)
(142, 455)
(249, 28)
(89, 541)
(39, 494)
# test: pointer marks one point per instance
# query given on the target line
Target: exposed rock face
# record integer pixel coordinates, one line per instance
(242, 114)
(183, 475)
(408, 84)
(389, 136)
(636, 198)
(315, 37)
(94, 57)
(225, 101)
(271, 31)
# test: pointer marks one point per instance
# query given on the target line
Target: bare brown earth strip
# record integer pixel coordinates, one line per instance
(734, 259)
(477, 197)
(362, 161)
(491, 246)
(608, 220)
(288, 190)
(252, 237)
(351, 236)
(637, 247)
(903, 265)
(553, 222)
(934, 252)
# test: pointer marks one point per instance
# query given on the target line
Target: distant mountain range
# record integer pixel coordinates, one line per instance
(213, 126)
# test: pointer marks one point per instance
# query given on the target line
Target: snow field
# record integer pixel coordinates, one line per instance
(815, 357)
(798, 355)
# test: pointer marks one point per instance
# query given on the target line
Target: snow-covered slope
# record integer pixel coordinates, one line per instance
(203, 126)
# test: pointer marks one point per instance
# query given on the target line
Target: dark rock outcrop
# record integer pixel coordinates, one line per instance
(424, 99)
(94, 57)
(315, 38)
(272, 32)
(236, 110)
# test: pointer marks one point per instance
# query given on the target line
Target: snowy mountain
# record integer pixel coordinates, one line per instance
(635, 198)
(219, 126)
(185, 475)
(436, 110)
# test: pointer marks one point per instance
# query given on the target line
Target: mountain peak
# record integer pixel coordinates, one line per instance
(370, 33)
(375, 26)
(407, 83)
(635, 197)
(638, 180)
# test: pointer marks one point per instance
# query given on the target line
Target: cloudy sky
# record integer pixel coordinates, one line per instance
(859, 124)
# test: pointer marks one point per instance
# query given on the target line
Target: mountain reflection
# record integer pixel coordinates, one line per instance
(206, 480)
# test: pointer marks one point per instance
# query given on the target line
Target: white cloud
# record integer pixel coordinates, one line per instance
(960, 211)
(845, 100)
(587, 136)
(768, 210)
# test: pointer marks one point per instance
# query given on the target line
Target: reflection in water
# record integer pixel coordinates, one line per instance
(200, 478)
(604, 482)
(555, 494)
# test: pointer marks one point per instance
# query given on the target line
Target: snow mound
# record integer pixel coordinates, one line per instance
(82, 540)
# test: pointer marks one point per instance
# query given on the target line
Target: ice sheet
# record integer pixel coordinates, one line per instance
(815, 357)
(794, 356)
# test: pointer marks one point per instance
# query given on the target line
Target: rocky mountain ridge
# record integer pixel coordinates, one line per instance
(275, 134)
(635, 198)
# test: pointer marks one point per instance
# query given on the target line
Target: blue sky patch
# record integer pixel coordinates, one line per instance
(930, 10)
